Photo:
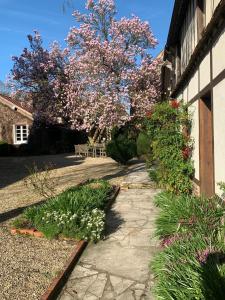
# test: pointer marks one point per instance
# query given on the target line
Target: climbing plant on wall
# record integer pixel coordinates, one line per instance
(168, 126)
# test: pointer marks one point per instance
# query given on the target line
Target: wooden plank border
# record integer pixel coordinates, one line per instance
(58, 282)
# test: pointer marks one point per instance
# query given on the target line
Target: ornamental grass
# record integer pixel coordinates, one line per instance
(191, 264)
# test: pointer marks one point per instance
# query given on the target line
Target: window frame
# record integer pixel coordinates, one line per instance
(22, 140)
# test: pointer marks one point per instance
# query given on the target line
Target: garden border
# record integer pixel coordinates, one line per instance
(58, 282)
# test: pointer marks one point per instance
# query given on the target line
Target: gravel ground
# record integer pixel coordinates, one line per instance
(69, 171)
(28, 265)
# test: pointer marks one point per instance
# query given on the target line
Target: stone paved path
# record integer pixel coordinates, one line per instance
(118, 267)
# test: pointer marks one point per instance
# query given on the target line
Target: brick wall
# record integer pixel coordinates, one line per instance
(8, 118)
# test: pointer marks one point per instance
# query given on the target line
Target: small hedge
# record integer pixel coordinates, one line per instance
(122, 147)
(77, 213)
(191, 264)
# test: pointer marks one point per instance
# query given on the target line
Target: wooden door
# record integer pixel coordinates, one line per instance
(206, 146)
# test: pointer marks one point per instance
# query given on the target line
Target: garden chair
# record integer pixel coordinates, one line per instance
(81, 150)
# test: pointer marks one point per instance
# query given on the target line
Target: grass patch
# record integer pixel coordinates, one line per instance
(191, 264)
(78, 213)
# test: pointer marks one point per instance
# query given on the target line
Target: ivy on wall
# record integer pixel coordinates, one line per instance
(168, 126)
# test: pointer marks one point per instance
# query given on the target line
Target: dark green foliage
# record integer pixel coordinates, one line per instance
(170, 145)
(53, 139)
(143, 145)
(191, 264)
(121, 150)
(77, 212)
(6, 149)
(122, 147)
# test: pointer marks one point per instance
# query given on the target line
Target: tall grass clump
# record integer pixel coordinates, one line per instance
(191, 264)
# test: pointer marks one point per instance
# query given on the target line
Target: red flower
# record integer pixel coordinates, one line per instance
(148, 114)
(174, 104)
(186, 152)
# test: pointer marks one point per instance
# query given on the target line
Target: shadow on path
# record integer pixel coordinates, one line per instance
(113, 222)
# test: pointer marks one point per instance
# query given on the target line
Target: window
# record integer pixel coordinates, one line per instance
(21, 133)
(200, 17)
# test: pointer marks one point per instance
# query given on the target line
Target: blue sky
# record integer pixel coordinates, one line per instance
(20, 17)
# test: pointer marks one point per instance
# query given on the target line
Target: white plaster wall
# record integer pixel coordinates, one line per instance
(180, 96)
(193, 86)
(194, 110)
(185, 94)
(216, 2)
(204, 71)
(208, 11)
(219, 132)
(218, 53)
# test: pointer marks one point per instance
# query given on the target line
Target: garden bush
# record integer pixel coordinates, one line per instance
(191, 264)
(6, 149)
(122, 147)
(168, 127)
(77, 212)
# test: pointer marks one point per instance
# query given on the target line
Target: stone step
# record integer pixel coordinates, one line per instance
(131, 185)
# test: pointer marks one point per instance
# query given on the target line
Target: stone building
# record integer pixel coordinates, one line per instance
(194, 71)
(15, 121)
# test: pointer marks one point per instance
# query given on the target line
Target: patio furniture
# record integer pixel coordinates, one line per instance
(99, 150)
(81, 150)
(85, 150)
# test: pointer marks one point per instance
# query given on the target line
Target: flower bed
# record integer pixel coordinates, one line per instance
(76, 213)
(191, 264)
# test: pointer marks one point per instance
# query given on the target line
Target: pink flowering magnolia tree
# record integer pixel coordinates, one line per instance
(38, 76)
(111, 75)
(103, 79)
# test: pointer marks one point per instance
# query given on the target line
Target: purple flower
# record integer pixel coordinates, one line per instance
(166, 242)
(202, 256)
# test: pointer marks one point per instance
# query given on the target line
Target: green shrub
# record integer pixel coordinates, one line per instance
(171, 148)
(121, 149)
(143, 145)
(77, 212)
(6, 149)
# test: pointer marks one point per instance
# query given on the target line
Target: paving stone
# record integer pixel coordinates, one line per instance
(120, 284)
(97, 287)
(80, 272)
(139, 294)
(108, 295)
(67, 296)
(128, 295)
(111, 257)
(87, 266)
(89, 296)
(108, 292)
(80, 286)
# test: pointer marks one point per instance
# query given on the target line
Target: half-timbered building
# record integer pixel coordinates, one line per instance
(194, 71)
